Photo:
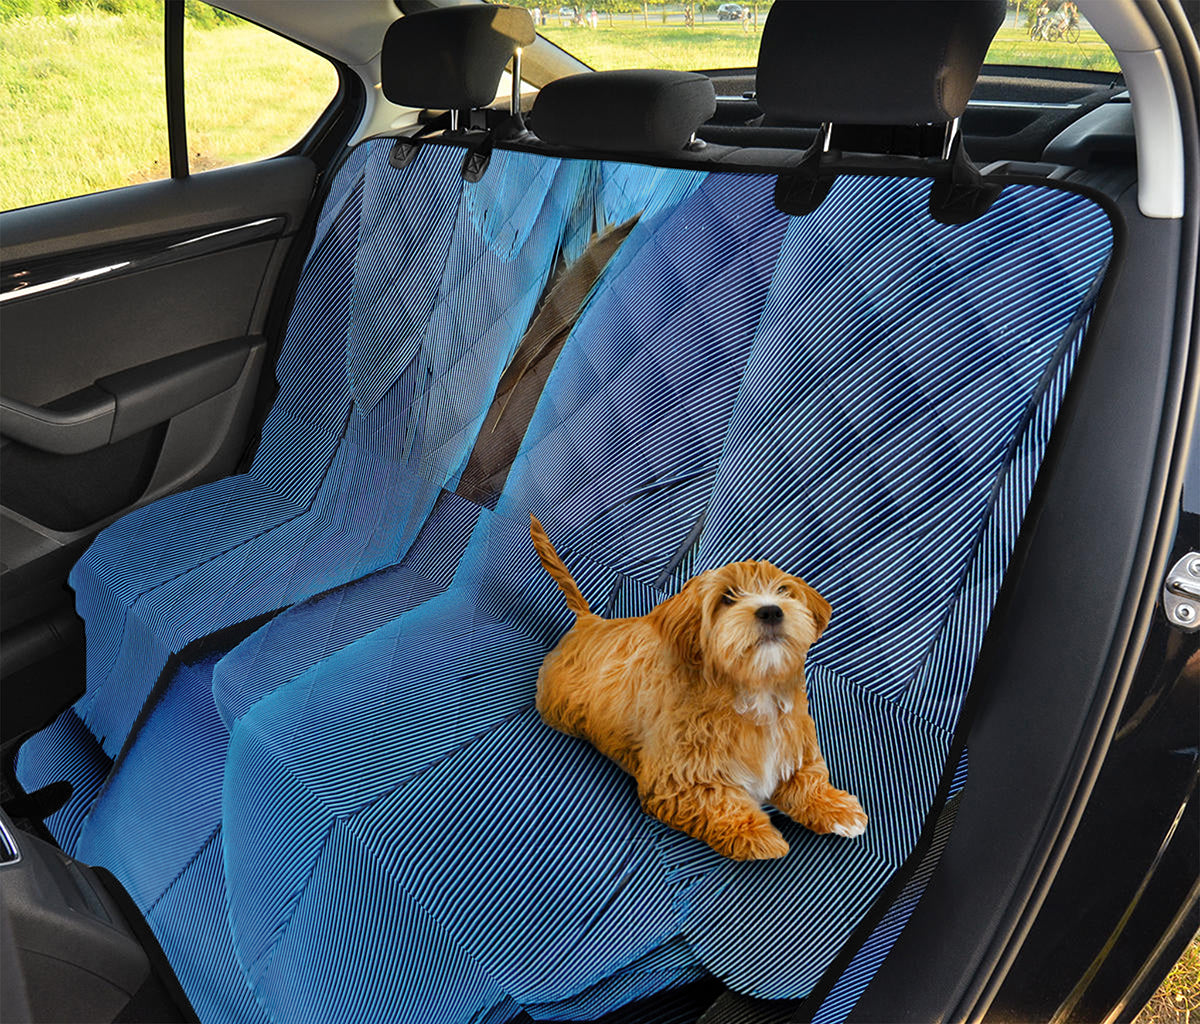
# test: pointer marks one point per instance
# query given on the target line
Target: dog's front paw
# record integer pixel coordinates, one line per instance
(841, 814)
(757, 840)
(815, 804)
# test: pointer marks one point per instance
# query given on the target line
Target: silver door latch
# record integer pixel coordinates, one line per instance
(1181, 594)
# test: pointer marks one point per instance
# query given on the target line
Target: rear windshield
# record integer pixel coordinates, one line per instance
(627, 34)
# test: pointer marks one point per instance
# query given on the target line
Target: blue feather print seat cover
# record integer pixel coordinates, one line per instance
(862, 396)
(860, 393)
(176, 749)
(402, 325)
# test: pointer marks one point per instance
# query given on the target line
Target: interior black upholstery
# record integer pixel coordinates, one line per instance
(947, 42)
(451, 58)
(629, 111)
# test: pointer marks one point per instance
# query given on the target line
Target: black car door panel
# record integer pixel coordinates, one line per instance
(131, 351)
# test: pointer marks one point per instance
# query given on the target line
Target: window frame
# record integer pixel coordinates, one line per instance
(173, 19)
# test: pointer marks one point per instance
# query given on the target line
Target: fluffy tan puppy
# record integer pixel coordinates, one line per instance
(703, 702)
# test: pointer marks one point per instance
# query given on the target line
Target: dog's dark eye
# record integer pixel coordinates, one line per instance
(781, 589)
(728, 597)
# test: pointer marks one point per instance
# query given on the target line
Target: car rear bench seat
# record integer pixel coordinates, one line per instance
(501, 238)
(861, 394)
(868, 409)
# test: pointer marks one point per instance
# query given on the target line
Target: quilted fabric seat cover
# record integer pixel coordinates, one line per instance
(166, 781)
(157, 819)
(410, 331)
(416, 291)
(862, 396)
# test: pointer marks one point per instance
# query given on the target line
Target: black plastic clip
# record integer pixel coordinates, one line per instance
(963, 195)
(475, 163)
(804, 187)
(403, 153)
(405, 150)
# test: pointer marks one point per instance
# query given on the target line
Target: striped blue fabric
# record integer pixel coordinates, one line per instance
(332, 494)
(388, 299)
(204, 523)
(860, 389)
(314, 629)
(157, 820)
(614, 192)
(191, 924)
(166, 783)
(853, 981)
(164, 540)
(626, 189)
(951, 662)
(164, 770)
(282, 649)
(472, 668)
(668, 967)
(168, 778)
(65, 749)
(850, 410)
(921, 362)
(423, 287)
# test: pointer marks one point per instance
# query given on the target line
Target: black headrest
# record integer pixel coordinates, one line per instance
(623, 111)
(873, 61)
(453, 57)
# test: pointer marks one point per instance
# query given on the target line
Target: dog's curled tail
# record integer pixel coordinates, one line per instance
(554, 566)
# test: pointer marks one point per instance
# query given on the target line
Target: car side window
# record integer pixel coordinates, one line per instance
(83, 107)
(249, 93)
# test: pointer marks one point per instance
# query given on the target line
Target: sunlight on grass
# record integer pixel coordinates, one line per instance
(1013, 46)
(84, 107)
(1177, 1000)
(634, 44)
(69, 129)
(250, 94)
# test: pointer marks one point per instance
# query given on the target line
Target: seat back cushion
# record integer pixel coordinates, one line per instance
(635, 338)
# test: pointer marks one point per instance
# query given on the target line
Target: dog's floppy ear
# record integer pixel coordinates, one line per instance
(679, 620)
(820, 609)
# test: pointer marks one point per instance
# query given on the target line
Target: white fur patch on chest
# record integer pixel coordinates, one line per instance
(762, 708)
(761, 780)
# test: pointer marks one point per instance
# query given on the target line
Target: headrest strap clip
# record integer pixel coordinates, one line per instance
(964, 194)
(407, 145)
(803, 188)
(475, 162)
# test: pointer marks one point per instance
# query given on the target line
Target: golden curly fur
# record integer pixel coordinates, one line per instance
(703, 702)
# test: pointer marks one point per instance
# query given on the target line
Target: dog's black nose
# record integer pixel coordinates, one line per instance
(769, 613)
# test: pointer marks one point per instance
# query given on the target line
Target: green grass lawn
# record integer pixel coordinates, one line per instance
(82, 106)
(631, 44)
(1177, 1000)
(712, 44)
(1013, 46)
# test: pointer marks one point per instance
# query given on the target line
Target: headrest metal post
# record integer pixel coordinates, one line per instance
(454, 119)
(826, 134)
(514, 106)
(952, 129)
